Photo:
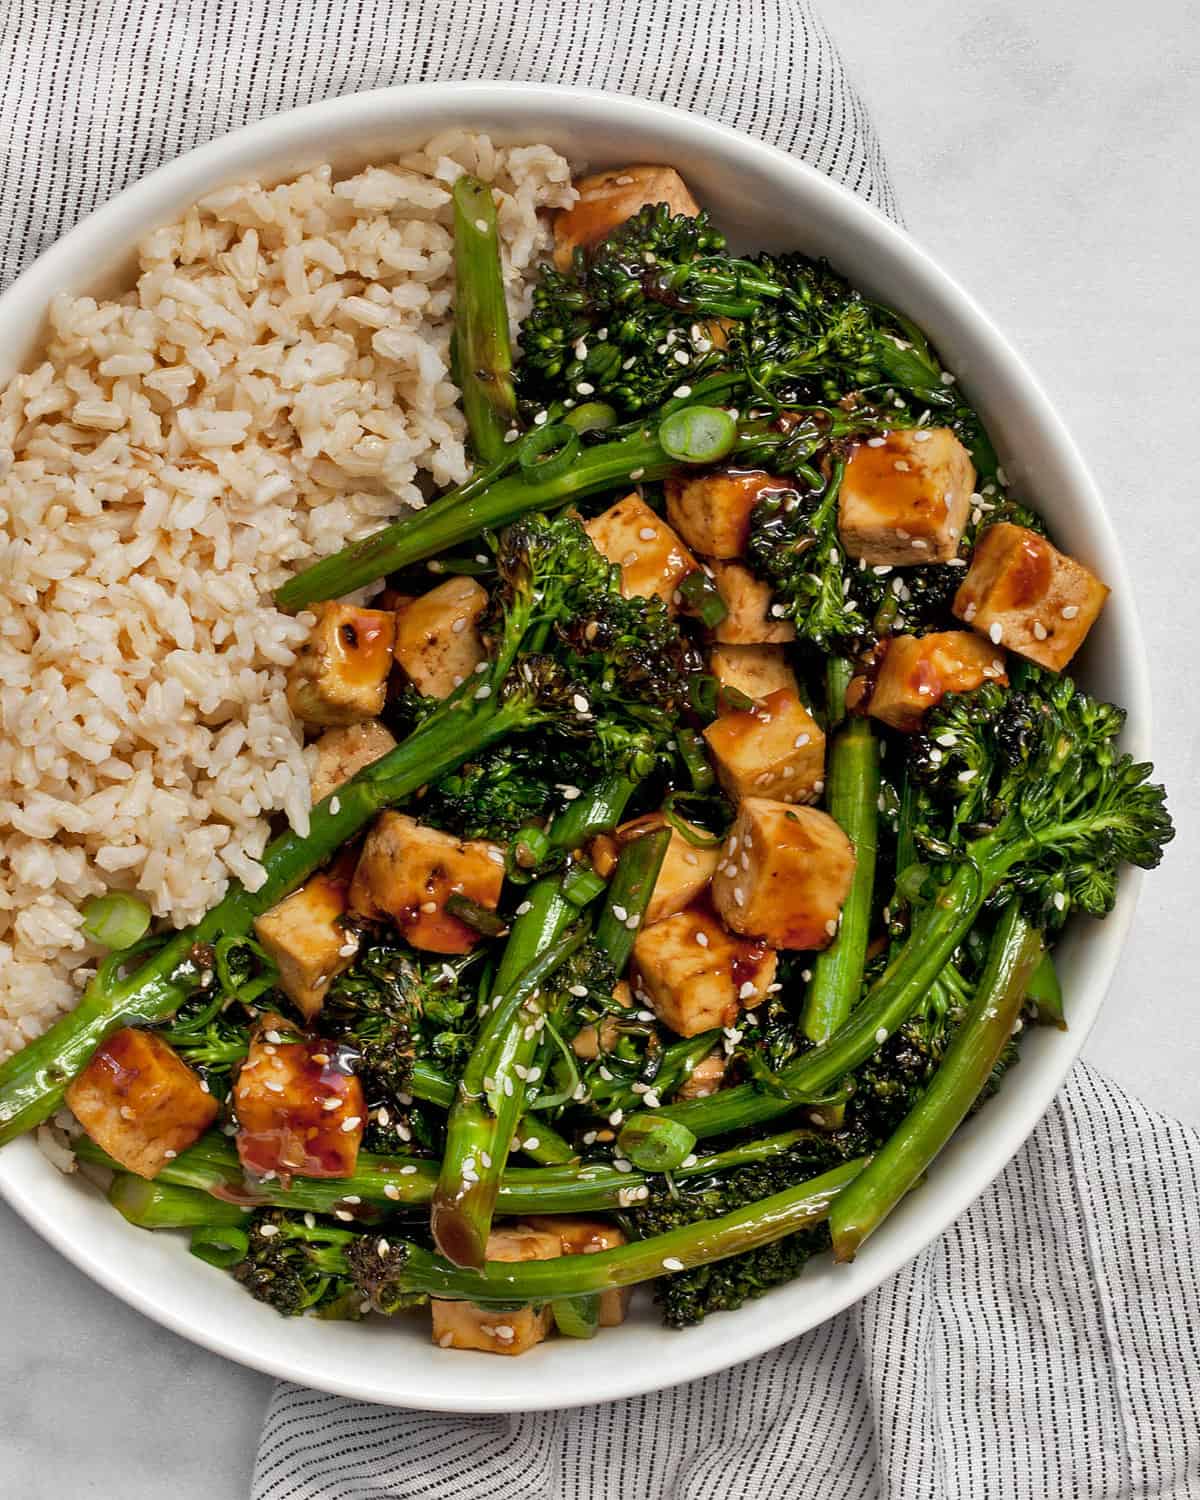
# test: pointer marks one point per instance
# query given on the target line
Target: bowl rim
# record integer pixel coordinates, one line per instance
(23, 1169)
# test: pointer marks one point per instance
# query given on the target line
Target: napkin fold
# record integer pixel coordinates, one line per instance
(1048, 1345)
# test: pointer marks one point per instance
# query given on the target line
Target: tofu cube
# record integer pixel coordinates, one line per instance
(775, 749)
(785, 875)
(300, 1114)
(695, 975)
(341, 753)
(905, 498)
(340, 673)
(589, 1237)
(304, 936)
(650, 556)
(1028, 596)
(607, 199)
(749, 621)
(438, 644)
(140, 1102)
(686, 868)
(407, 872)
(756, 671)
(711, 510)
(705, 1078)
(464, 1325)
(918, 671)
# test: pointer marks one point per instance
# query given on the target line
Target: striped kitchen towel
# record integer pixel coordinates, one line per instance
(1048, 1345)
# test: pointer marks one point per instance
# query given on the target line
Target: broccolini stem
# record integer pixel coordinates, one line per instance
(482, 348)
(886, 1006)
(854, 803)
(161, 1205)
(33, 1081)
(976, 1045)
(691, 1245)
(457, 517)
(629, 894)
(548, 1147)
(382, 1184)
(598, 811)
(491, 1092)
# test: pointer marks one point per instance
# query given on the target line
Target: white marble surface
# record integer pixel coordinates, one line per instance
(1046, 154)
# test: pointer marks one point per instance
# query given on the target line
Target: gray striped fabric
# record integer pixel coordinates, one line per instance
(1049, 1344)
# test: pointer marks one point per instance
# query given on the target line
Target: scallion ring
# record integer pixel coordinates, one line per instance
(592, 416)
(547, 452)
(116, 921)
(698, 434)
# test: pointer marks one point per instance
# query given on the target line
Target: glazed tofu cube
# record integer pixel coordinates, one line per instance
(751, 620)
(607, 199)
(438, 644)
(589, 1237)
(686, 868)
(711, 511)
(340, 673)
(705, 1078)
(299, 1112)
(650, 556)
(918, 671)
(407, 872)
(775, 749)
(140, 1102)
(464, 1325)
(905, 497)
(342, 753)
(1028, 596)
(694, 975)
(304, 936)
(756, 671)
(785, 874)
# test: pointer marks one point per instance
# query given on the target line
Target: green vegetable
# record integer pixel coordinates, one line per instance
(159, 1205)
(853, 800)
(965, 1069)
(482, 350)
(698, 434)
(577, 1317)
(629, 893)
(117, 921)
(656, 1145)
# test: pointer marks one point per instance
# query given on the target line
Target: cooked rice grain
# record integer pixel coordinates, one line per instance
(277, 385)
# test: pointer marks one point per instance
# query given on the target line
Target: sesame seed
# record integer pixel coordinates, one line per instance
(739, 895)
(1039, 631)
(876, 442)
(533, 1142)
(672, 1263)
(622, 1165)
(391, 1191)
(268, 1231)
(351, 1198)
(580, 703)
(459, 625)
(965, 776)
(620, 913)
(351, 1122)
(800, 741)
(682, 356)
(633, 921)
(746, 990)
(616, 1117)
(332, 1103)
(922, 437)
(636, 474)
(541, 419)
(570, 792)
(683, 390)
(996, 632)
(806, 975)
(504, 1331)
(270, 1083)
(901, 464)
(508, 1088)
(585, 388)
(831, 926)
(702, 939)
(445, 1340)
(1060, 901)
(343, 1215)
(497, 858)
(881, 1035)
(1070, 611)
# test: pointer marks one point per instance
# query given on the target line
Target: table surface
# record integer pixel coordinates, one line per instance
(1043, 154)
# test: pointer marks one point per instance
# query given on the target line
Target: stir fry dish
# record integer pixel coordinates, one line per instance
(699, 790)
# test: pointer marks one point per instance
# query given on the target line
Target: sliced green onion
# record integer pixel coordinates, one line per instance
(592, 416)
(117, 921)
(699, 838)
(222, 1247)
(530, 847)
(547, 452)
(702, 599)
(695, 758)
(577, 1317)
(481, 918)
(655, 1144)
(698, 434)
(581, 885)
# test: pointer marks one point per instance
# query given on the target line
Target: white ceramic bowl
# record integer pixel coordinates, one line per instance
(764, 199)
